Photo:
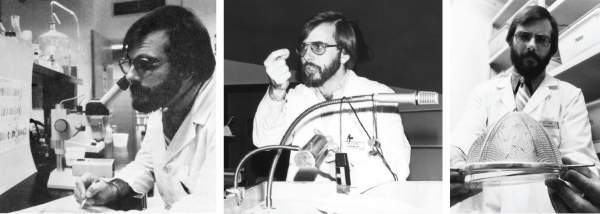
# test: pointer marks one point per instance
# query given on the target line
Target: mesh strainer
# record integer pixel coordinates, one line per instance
(516, 149)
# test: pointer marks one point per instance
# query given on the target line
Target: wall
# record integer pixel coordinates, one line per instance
(115, 27)
(466, 52)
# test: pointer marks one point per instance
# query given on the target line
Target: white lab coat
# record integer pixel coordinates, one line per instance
(553, 101)
(189, 159)
(274, 117)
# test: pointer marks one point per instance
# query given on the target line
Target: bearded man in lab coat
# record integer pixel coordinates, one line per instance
(533, 40)
(170, 64)
(327, 47)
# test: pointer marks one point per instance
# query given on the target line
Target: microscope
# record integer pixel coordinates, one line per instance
(85, 130)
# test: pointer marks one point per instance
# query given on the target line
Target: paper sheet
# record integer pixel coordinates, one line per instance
(65, 205)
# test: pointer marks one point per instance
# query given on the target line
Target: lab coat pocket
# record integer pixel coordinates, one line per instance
(172, 189)
(181, 172)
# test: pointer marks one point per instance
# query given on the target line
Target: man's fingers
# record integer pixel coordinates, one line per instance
(567, 161)
(558, 203)
(458, 188)
(458, 198)
(584, 184)
(572, 198)
(94, 189)
(456, 177)
(281, 78)
(585, 171)
(79, 190)
(275, 55)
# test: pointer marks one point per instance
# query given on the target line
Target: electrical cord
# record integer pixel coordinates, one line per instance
(359, 121)
(378, 149)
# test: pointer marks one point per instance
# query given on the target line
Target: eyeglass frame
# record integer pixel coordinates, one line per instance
(533, 36)
(145, 73)
(313, 44)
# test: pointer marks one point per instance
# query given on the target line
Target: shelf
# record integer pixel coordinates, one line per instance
(38, 69)
(500, 61)
(583, 72)
(507, 12)
(566, 12)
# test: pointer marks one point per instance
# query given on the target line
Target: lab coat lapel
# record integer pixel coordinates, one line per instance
(198, 115)
(507, 97)
(540, 94)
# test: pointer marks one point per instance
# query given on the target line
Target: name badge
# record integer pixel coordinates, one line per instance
(355, 145)
(550, 124)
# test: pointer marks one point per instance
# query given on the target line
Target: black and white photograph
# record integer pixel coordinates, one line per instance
(524, 107)
(108, 106)
(333, 106)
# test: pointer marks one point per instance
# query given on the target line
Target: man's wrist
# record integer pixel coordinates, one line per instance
(122, 188)
(276, 94)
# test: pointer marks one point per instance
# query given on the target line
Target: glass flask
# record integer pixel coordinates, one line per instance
(55, 48)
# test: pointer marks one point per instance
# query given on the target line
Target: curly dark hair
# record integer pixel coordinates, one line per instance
(189, 49)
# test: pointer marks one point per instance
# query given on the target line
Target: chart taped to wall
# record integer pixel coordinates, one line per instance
(14, 121)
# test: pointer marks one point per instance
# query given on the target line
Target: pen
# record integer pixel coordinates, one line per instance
(85, 200)
(83, 203)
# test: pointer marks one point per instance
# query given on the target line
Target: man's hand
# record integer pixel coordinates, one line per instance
(459, 191)
(97, 192)
(567, 199)
(279, 73)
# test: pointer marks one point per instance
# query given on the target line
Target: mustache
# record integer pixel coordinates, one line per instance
(137, 88)
(305, 65)
(530, 54)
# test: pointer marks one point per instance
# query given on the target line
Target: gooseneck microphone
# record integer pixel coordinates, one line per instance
(416, 98)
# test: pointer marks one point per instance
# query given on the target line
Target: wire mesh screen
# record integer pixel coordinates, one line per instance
(516, 137)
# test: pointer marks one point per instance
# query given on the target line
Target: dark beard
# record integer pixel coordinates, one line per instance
(309, 79)
(146, 100)
(527, 71)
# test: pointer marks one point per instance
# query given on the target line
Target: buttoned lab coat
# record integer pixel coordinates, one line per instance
(274, 117)
(189, 159)
(555, 102)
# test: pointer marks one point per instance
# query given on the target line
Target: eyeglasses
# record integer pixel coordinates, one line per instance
(317, 47)
(144, 66)
(524, 37)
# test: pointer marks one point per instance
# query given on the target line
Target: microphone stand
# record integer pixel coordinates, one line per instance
(416, 98)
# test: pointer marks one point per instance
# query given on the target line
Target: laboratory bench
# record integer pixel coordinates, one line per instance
(33, 190)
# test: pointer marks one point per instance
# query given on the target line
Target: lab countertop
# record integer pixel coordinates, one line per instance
(321, 197)
(33, 190)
